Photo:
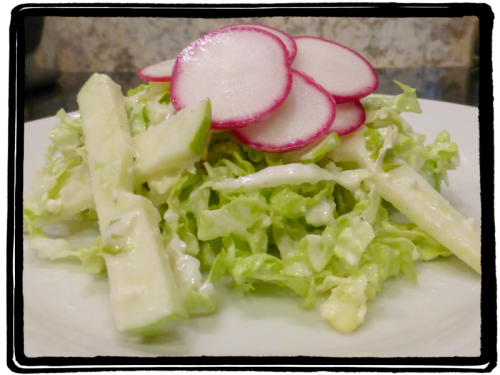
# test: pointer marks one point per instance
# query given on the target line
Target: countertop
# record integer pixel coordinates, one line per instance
(454, 85)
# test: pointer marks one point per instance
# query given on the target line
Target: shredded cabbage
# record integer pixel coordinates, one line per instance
(303, 220)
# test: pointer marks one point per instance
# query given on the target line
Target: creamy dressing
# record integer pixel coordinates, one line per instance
(41, 185)
(370, 213)
(390, 135)
(171, 217)
(320, 214)
(412, 195)
(177, 244)
(350, 179)
(186, 269)
(51, 248)
(53, 206)
(352, 242)
(292, 174)
(158, 112)
(273, 176)
(266, 222)
(119, 235)
(351, 258)
(207, 289)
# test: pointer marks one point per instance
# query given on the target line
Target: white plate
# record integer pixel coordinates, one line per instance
(67, 312)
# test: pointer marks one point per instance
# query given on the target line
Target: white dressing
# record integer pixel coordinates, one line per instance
(352, 242)
(289, 174)
(320, 214)
(414, 197)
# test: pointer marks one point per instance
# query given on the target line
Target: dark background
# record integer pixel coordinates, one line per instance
(430, 82)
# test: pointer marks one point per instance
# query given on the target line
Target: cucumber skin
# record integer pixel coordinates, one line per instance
(200, 138)
(110, 162)
(163, 326)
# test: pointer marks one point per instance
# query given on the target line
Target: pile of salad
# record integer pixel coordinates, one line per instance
(255, 157)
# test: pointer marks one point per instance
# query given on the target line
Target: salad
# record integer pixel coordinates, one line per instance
(205, 173)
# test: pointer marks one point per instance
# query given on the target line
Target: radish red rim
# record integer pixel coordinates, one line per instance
(349, 117)
(363, 82)
(273, 134)
(248, 88)
(158, 72)
(287, 39)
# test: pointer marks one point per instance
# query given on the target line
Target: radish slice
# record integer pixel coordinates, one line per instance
(306, 115)
(341, 71)
(244, 71)
(288, 40)
(349, 117)
(159, 72)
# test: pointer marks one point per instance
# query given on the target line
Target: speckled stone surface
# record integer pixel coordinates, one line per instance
(76, 44)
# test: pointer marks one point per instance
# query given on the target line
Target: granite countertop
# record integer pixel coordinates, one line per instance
(455, 85)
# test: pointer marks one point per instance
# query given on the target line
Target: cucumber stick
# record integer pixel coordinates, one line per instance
(144, 297)
(158, 152)
(413, 196)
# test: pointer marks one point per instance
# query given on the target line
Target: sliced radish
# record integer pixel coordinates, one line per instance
(245, 71)
(306, 115)
(342, 72)
(159, 72)
(349, 117)
(288, 40)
